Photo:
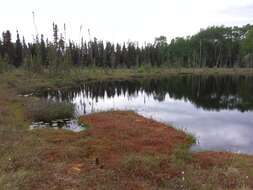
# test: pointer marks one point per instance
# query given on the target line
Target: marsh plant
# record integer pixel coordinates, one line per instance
(48, 110)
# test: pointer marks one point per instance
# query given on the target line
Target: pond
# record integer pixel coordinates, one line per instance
(217, 110)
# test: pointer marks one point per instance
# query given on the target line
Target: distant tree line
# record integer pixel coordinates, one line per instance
(216, 46)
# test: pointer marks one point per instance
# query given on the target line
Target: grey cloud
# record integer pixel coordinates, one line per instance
(242, 11)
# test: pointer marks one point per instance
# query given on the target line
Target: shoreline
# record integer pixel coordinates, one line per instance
(27, 82)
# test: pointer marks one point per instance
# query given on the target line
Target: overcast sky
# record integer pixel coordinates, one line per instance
(123, 20)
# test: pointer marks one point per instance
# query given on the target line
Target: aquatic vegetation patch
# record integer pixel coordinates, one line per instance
(43, 110)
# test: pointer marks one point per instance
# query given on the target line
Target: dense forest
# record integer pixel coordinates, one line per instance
(216, 46)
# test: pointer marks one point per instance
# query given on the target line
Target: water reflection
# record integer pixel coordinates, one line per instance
(218, 110)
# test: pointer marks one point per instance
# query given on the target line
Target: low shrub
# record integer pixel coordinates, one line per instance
(48, 110)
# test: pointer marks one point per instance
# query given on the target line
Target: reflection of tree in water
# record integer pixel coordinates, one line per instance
(208, 92)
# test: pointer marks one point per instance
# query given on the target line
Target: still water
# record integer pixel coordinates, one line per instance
(217, 110)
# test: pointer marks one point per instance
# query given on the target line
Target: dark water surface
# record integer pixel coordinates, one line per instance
(217, 110)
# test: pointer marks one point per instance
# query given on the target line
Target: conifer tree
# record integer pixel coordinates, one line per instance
(43, 51)
(8, 47)
(18, 52)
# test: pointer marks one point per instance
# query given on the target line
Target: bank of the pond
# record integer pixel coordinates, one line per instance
(26, 82)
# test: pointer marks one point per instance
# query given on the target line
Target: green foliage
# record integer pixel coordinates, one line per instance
(247, 43)
(46, 110)
(144, 68)
(216, 46)
(181, 155)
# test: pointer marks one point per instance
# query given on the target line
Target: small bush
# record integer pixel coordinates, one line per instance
(190, 138)
(181, 155)
(46, 110)
(144, 68)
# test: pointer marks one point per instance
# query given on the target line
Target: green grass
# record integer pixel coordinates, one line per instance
(46, 110)
(190, 137)
(26, 82)
(181, 154)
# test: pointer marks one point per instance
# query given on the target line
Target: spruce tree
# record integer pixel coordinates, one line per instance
(18, 52)
(8, 47)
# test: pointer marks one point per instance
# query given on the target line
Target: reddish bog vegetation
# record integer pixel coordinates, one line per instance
(127, 132)
(127, 151)
(133, 148)
(122, 150)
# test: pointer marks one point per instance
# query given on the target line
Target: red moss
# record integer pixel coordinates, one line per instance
(122, 132)
(98, 152)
